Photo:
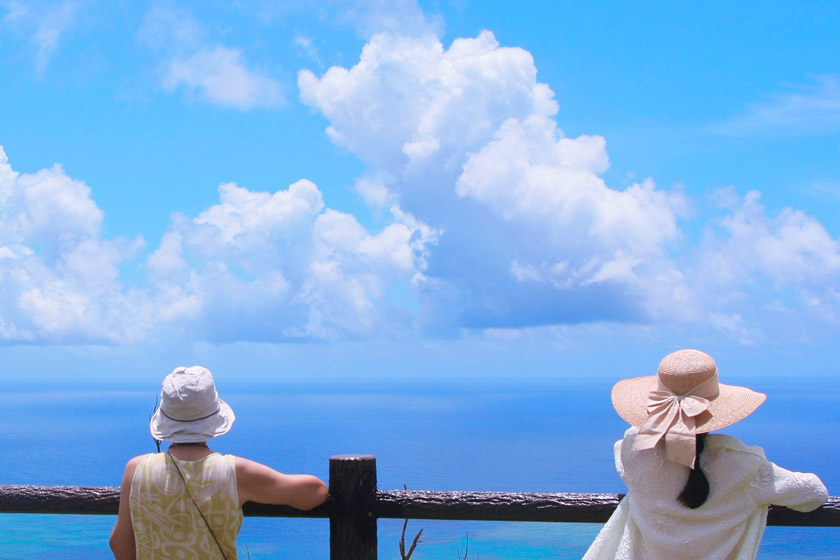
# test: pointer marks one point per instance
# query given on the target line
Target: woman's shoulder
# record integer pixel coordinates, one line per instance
(727, 443)
(630, 432)
(134, 461)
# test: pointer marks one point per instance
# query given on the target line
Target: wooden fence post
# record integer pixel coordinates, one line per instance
(353, 493)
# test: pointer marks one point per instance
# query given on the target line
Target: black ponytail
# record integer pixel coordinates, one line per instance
(697, 486)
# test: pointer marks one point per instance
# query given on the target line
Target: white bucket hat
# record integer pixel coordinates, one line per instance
(682, 400)
(190, 408)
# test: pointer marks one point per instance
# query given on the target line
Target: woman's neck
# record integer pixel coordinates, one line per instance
(190, 451)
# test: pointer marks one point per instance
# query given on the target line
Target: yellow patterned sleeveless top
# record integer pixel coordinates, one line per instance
(165, 520)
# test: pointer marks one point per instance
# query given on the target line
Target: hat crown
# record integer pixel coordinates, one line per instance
(683, 370)
(189, 393)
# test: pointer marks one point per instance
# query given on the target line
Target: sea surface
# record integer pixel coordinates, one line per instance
(513, 435)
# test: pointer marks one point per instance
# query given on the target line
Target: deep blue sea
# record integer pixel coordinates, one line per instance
(513, 435)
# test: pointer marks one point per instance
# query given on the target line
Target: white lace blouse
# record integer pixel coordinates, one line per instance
(650, 524)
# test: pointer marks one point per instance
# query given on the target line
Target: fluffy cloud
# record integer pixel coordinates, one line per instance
(465, 137)
(254, 266)
(791, 248)
(498, 221)
(756, 272)
(220, 76)
(275, 266)
(59, 279)
(209, 71)
(409, 104)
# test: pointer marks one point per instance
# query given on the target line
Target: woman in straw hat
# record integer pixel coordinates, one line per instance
(187, 503)
(692, 495)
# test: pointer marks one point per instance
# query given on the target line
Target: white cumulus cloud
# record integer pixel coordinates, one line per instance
(770, 271)
(497, 220)
(465, 138)
(59, 280)
(425, 104)
(276, 266)
(789, 249)
(254, 266)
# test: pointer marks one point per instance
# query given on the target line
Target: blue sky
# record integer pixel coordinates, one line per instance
(470, 188)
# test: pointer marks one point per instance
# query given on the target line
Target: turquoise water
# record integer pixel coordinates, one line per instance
(522, 436)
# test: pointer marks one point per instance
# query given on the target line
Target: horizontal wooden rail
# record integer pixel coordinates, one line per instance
(495, 506)
(105, 500)
(398, 504)
(92, 500)
(355, 504)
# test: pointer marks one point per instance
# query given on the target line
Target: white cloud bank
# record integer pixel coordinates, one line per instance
(262, 266)
(498, 221)
(59, 280)
(255, 266)
(781, 272)
(465, 138)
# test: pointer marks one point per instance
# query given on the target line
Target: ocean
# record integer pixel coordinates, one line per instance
(505, 435)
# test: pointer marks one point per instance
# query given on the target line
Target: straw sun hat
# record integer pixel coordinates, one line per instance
(681, 372)
(190, 408)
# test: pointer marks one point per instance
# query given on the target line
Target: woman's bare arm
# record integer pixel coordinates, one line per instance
(122, 537)
(258, 483)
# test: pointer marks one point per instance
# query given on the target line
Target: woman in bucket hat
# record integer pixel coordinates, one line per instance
(186, 503)
(693, 496)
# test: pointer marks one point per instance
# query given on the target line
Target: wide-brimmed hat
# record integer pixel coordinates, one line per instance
(682, 400)
(190, 408)
(681, 372)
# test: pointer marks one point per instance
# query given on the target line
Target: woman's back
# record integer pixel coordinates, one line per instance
(731, 521)
(167, 523)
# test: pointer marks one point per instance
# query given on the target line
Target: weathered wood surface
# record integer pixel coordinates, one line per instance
(93, 500)
(397, 504)
(250, 509)
(495, 506)
(827, 515)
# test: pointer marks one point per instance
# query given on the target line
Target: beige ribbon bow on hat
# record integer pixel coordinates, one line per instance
(673, 417)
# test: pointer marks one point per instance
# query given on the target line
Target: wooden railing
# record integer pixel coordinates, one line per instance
(355, 504)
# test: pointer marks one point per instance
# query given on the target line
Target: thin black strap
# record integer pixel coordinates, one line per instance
(187, 486)
(218, 408)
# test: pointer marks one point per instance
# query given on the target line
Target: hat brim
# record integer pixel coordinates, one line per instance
(175, 431)
(733, 403)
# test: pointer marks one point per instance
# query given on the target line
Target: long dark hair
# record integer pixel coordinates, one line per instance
(697, 486)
